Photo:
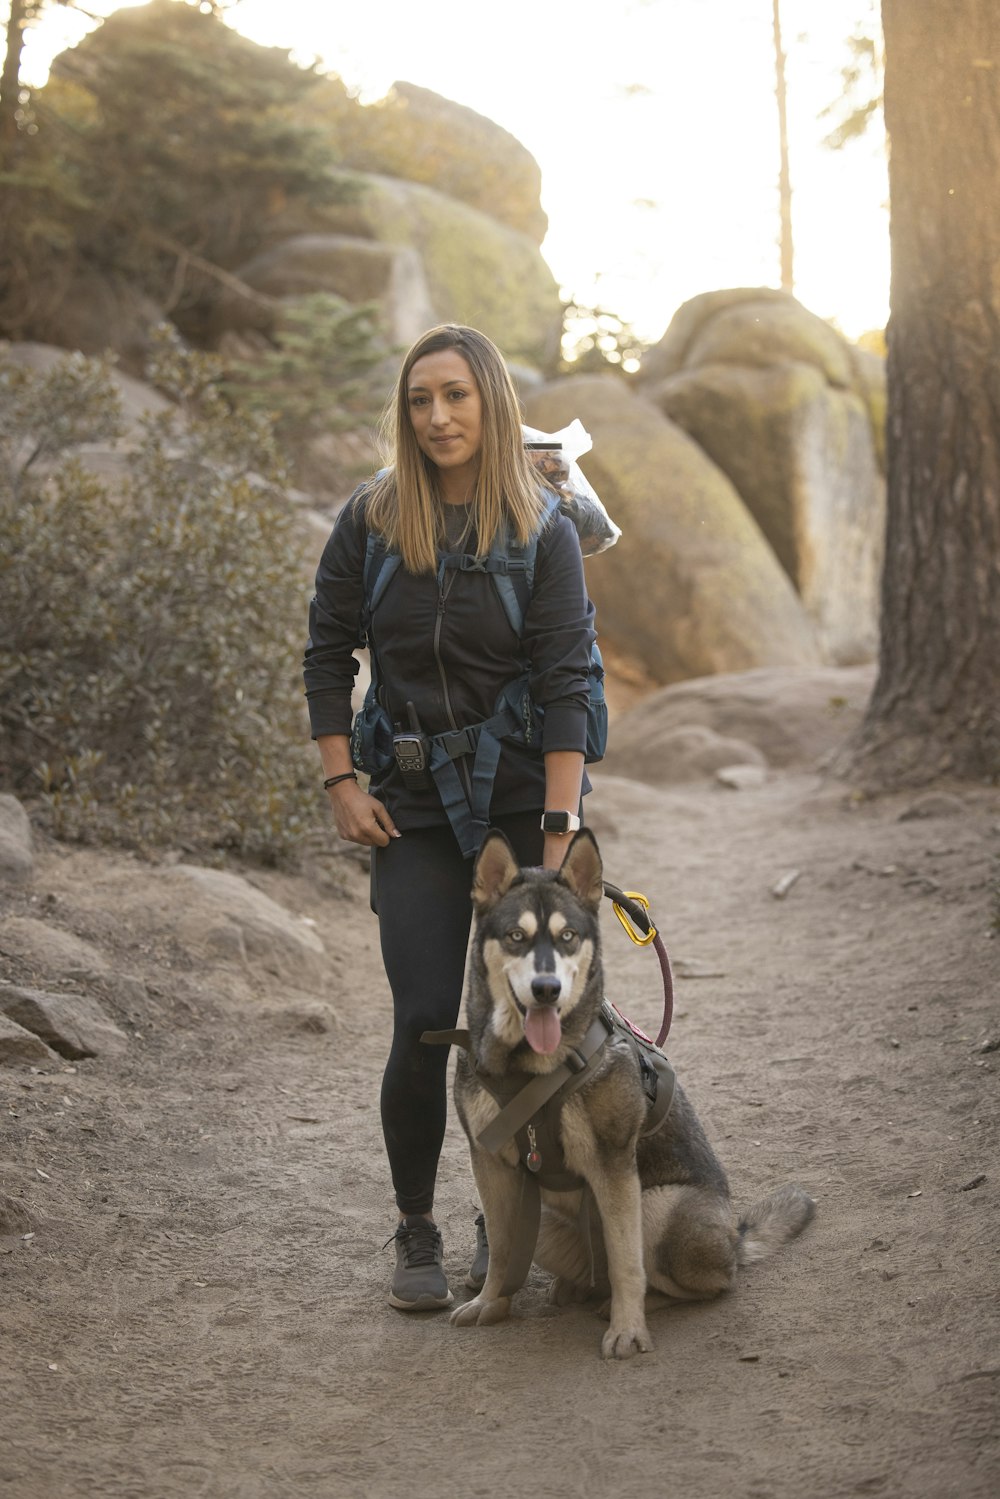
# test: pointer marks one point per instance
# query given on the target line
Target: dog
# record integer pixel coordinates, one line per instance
(650, 1221)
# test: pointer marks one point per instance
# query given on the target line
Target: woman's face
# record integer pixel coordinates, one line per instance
(446, 412)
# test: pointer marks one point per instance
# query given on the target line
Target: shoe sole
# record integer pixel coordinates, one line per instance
(424, 1303)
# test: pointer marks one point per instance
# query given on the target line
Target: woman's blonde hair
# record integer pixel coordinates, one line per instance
(403, 503)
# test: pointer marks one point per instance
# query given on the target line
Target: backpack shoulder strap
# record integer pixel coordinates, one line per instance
(379, 569)
(515, 582)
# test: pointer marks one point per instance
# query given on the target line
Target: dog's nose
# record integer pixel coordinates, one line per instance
(545, 988)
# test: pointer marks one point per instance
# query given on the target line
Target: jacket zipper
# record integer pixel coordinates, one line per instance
(463, 761)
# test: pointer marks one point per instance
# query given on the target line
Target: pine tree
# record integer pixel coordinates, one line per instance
(936, 705)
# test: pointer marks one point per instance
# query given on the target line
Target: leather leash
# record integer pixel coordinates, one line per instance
(632, 910)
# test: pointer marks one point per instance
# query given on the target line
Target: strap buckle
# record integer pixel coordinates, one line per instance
(460, 742)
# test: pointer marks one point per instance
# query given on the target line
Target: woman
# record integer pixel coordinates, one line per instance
(458, 479)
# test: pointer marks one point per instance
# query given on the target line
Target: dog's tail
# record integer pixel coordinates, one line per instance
(772, 1221)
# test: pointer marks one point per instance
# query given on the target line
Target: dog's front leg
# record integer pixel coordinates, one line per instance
(500, 1193)
(619, 1201)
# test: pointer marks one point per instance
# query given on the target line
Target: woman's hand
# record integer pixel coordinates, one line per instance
(359, 817)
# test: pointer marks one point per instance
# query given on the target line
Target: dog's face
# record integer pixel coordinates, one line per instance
(539, 937)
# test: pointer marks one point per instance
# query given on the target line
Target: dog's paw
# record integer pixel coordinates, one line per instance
(623, 1342)
(481, 1313)
(563, 1292)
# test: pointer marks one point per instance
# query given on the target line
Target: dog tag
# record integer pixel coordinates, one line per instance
(533, 1160)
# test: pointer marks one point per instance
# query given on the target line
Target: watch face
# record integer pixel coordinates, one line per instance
(557, 822)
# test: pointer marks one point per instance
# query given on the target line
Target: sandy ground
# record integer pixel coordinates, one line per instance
(201, 1309)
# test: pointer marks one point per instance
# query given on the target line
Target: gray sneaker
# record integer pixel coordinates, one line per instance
(476, 1278)
(419, 1284)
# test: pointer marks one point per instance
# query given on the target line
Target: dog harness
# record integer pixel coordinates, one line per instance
(530, 1113)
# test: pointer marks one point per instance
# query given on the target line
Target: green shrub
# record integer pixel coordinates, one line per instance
(151, 634)
(324, 373)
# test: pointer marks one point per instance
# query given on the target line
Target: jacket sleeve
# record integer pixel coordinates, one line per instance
(558, 635)
(335, 633)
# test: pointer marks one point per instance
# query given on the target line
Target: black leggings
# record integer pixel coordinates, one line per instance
(424, 909)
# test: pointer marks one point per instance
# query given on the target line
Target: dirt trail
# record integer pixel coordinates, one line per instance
(201, 1310)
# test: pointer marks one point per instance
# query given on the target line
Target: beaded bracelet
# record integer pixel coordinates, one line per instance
(348, 775)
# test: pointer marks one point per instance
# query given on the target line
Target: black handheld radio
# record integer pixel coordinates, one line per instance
(412, 753)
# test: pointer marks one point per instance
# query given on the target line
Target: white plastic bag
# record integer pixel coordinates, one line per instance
(554, 455)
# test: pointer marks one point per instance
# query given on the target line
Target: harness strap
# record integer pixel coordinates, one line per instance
(448, 1038)
(469, 819)
(665, 1083)
(533, 1097)
(516, 1114)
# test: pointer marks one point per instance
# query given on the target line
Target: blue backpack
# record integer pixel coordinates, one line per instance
(511, 566)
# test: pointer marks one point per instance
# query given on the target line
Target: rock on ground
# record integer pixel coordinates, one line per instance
(48, 949)
(74, 1025)
(223, 916)
(20, 1047)
(16, 859)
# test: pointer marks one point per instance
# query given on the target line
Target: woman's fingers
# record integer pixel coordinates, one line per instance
(360, 818)
(386, 824)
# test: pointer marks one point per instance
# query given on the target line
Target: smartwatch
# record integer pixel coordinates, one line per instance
(560, 822)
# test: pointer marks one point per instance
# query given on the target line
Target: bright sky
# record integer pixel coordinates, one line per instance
(653, 121)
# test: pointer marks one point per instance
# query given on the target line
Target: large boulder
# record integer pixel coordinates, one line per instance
(692, 588)
(746, 325)
(464, 266)
(793, 416)
(358, 270)
(419, 136)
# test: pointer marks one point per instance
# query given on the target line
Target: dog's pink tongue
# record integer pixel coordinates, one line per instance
(542, 1029)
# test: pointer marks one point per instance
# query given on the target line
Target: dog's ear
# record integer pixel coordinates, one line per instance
(495, 871)
(582, 870)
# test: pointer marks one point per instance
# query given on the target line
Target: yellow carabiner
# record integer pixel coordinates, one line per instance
(630, 930)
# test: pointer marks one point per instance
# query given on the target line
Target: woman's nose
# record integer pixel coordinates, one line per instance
(439, 413)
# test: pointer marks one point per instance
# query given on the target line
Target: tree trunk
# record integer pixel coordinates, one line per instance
(9, 78)
(936, 705)
(784, 173)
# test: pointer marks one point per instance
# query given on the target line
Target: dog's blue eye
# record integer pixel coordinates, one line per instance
(567, 935)
(516, 935)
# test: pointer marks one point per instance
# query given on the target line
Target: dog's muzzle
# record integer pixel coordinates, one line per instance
(545, 988)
